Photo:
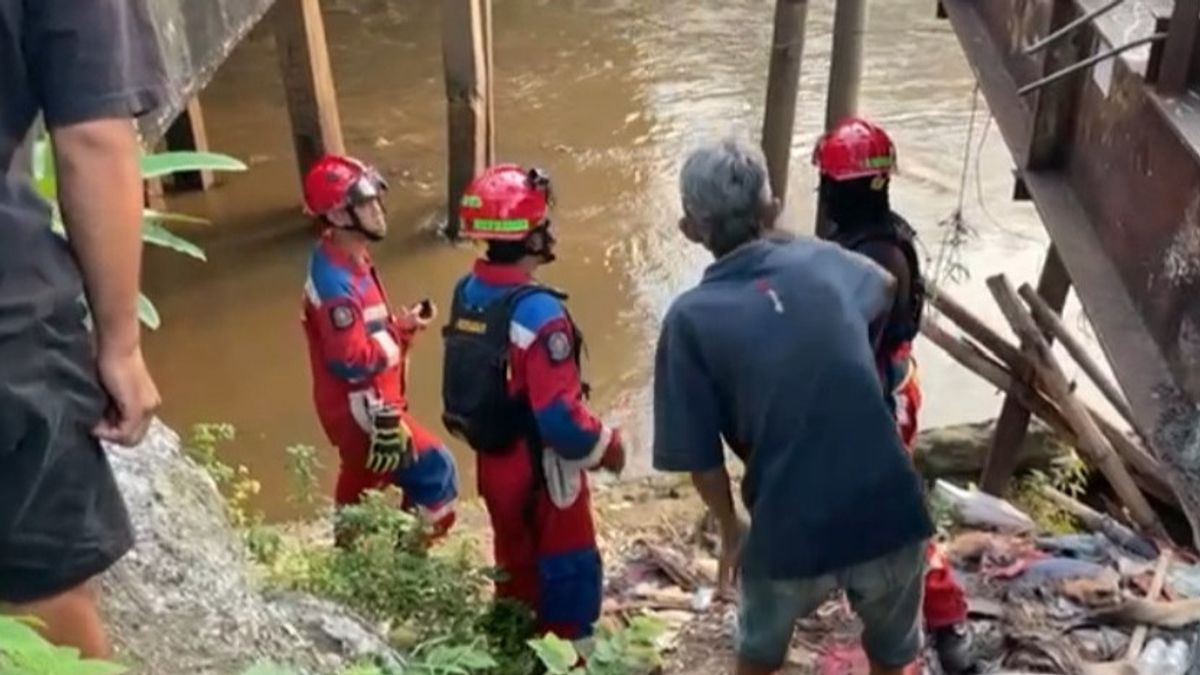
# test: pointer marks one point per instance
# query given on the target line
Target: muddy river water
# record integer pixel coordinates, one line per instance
(606, 94)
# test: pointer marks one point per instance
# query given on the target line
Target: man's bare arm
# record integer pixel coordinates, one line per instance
(100, 193)
(99, 190)
(715, 490)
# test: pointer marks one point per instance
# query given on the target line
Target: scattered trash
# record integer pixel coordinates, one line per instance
(1093, 547)
(1036, 603)
(980, 509)
(1051, 573)
(1163, 658)
(702, 599)
(1184, 580)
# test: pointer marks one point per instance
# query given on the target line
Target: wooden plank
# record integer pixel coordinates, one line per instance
(1091, 440)
(1013, 422)
(465, 53)
(189, 132)
(783, 84)
(307, 80)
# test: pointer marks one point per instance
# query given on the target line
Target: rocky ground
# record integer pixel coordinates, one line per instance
(186, 600)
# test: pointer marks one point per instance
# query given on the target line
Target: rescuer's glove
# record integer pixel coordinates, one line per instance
(391, 442)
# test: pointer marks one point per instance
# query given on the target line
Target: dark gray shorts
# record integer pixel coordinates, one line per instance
(62, 518)
(885, 593)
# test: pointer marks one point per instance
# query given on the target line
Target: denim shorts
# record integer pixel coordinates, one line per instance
(884, 592)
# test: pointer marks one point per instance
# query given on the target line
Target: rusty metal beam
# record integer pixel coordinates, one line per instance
(997, 83)
(1054, 108)
(1120, 198)
(1177, 58)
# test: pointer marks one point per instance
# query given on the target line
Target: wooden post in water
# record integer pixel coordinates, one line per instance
(783, 82)
(845, 73)
(307, 80)
(466, 51)
(190, 133)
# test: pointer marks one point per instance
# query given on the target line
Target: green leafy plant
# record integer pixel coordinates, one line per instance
(154, 230)
(23, 651)
(238, 487)
(304, 467)
(1067, 474)
(632, 650)
(384, 573)
(438, 657)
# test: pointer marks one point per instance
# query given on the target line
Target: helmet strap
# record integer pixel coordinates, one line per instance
(356, 224)
(544, 251)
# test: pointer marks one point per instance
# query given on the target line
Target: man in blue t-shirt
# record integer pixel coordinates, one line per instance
(773, 353)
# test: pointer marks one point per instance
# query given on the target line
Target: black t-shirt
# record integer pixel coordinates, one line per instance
(70, 61)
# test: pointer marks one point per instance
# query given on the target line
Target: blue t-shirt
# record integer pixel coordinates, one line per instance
(771, 352)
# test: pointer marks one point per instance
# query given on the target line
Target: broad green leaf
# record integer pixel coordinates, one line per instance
(148, 313)
(44, 176)
(167, 163)
(18, 635)
(164, 217)
(153, 233)
(604, 652)
(558, 655)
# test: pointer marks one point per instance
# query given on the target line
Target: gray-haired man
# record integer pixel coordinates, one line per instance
(772, 352)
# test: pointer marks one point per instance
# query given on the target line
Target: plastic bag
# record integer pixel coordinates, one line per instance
(980, 509)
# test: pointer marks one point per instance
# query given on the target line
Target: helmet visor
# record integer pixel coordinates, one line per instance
(366, 188)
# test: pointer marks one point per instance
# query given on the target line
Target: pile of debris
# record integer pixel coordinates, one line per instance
(1104, 600)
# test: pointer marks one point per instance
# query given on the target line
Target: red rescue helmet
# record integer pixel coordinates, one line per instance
(505, 203)
(335, 182)
(855, 148)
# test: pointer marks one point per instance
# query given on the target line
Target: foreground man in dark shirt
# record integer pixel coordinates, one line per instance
(773, 353)
(87, 67)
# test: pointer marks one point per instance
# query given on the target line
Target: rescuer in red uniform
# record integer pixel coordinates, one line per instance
(359, 352)
(512, 390)
(856, 160)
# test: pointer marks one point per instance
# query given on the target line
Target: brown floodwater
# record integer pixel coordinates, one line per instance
(606, 94)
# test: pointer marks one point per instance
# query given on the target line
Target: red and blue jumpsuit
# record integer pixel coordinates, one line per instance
(545, 541)
(359, 354)
(945, 603)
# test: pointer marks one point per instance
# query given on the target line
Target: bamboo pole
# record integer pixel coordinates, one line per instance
(972, 357)
(783, 84)
(976, 328)
(1092, 441)
(1132, 452)
(1050, 322)
(1098, 522)
(1013, 422)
